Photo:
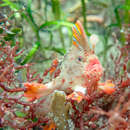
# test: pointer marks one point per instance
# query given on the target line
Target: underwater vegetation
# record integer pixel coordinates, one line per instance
(64, 66)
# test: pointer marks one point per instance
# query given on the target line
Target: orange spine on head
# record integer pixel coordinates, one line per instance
(79, 37)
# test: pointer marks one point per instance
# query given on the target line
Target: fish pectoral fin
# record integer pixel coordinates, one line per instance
(77, 96)
(107, 87)
(35, 91)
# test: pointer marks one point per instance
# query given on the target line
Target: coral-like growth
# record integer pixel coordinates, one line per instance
(14, 111)
(97, 110)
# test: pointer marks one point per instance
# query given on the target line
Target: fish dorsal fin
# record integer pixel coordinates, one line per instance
(79, 36)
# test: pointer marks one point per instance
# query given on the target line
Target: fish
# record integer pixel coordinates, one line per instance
(80, 71)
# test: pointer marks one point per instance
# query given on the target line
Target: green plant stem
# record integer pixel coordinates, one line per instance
(84, 16)
(45, 9)
(31, 53)
(84, 13)
(60, 23)
(127, 12)
(126, 8)
(57, 14)
(117, 16)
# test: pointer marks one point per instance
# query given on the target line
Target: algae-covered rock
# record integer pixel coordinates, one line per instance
(60, 111)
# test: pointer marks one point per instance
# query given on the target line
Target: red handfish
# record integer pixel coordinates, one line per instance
(80, 69)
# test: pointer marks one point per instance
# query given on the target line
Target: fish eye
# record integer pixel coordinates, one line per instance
(79, 58)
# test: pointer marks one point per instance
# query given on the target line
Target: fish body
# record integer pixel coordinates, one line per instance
(80, 69)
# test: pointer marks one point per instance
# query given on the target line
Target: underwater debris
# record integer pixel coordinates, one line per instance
(60, 110)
